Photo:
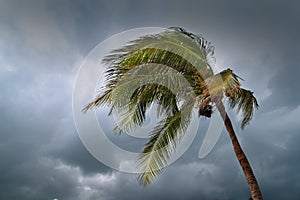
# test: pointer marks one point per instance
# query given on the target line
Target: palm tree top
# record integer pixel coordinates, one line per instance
(165, 58)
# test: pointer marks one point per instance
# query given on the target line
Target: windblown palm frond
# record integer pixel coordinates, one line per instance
(134, 114)
(163, 141)
(239, 97)
(244, 100)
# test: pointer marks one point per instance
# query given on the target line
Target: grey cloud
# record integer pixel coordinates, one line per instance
(285, 83)
(42, 44)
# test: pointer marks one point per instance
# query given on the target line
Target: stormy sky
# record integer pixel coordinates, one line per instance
(42, 45)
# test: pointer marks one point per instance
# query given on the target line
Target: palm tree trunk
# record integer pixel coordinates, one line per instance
(244, 163)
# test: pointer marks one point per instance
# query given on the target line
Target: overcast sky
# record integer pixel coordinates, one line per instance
(43, 43)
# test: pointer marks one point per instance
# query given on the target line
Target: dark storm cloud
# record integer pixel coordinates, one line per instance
(36, 125)
(36, 116)
(42, 44)
(285, 83)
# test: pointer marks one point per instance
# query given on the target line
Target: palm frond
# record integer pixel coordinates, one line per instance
(202, 43)
(245, 101)
(99, 101)
(171, 41)
(162, 143)
(159, 148)
(134, 115)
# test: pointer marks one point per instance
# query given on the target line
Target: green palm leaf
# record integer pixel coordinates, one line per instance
(163, 141)
(245, 102)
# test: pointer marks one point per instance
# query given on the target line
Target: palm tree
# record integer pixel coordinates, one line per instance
(191, 56)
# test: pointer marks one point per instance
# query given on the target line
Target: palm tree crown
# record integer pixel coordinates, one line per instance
(165, 58)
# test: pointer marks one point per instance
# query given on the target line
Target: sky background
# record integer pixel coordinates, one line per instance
(43, 43)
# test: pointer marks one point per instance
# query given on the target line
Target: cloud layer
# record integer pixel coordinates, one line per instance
(42, 44)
